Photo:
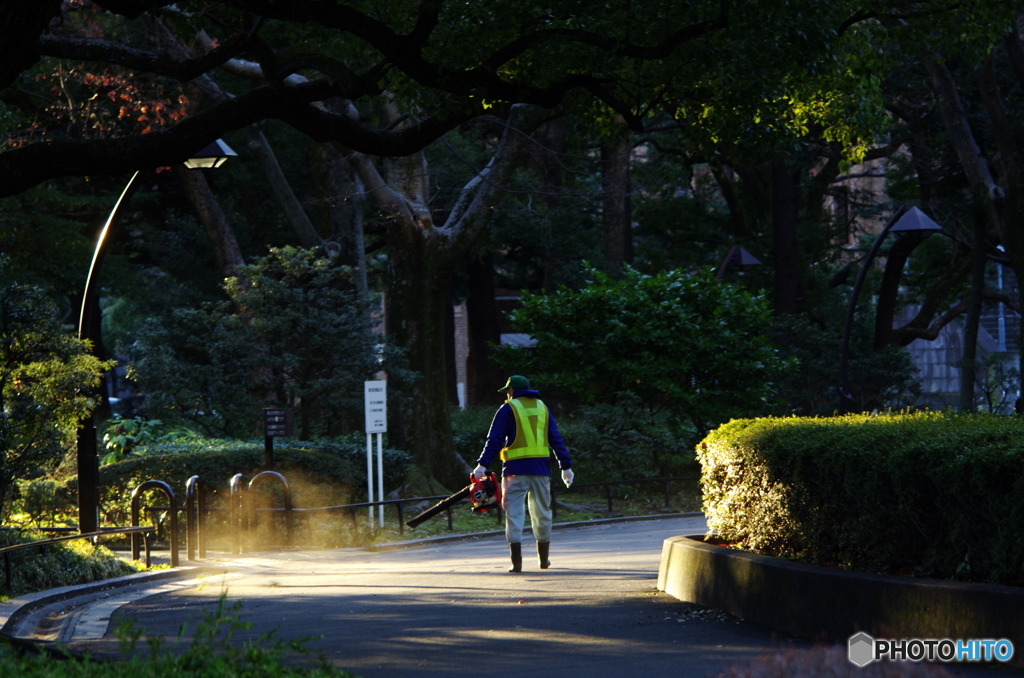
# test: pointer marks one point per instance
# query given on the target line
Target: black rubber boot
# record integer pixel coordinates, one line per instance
(516, 551)
(542, 554)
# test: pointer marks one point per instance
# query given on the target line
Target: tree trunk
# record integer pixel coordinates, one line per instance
(417, 292)
(420, 261)
(483, 375)
(1002, 209)
(961, 136)
(347, 204)
(968, 361)
(785, 214)
(737, 213)
(451, 370)
(543, 158)
(215, 222)
(617, 213)
(281, 189)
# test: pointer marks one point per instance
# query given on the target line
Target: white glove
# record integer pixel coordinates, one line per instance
(479, 472)
(567, 476)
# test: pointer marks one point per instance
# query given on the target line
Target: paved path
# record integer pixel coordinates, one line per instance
(451, 609)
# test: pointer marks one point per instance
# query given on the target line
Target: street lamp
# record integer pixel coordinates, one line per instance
(736, 256)
(904, 221)
(212, 155)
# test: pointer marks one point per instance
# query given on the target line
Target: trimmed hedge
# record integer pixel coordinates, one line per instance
(929, 494)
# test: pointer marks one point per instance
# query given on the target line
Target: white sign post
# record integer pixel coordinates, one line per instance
(375, 400)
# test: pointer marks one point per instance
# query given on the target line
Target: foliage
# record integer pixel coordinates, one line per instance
(293, 334)
(123, 436)
(33, 221)
(997, 383)
(212, 652)
(930, 494)
(686, 344)
(46, 501)
(879, 380)
(62, 564)
(608, 442)
(624, 441)
(45, 374)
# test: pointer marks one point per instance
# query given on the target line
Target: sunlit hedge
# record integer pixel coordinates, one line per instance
(61, 564)
(927, 494)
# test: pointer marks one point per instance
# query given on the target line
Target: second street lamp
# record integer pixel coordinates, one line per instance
(907, 221)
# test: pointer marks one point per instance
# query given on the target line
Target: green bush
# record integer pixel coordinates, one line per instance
(62, 564)
(685, 345)
(606, 442)
(626, 442)
(47, 501)
(622, 441)
(929, 494)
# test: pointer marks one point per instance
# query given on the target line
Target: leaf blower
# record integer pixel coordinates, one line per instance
(485, 493)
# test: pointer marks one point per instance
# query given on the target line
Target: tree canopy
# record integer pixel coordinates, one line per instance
(724, 70)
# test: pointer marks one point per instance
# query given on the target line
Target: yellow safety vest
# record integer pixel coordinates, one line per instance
(531, 430)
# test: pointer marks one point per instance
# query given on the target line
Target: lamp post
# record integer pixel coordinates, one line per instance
(211, 156)
(904, 221)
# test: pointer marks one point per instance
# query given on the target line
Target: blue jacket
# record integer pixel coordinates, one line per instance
(503, 432)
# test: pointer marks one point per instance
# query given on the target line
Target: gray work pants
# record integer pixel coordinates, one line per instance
(515, 492)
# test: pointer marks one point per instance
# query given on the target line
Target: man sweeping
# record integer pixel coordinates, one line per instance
(523, 433)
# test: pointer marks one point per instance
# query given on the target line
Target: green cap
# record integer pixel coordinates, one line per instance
(515, 382)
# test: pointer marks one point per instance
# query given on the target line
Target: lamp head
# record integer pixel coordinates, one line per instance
(214, 155)
(914, 222)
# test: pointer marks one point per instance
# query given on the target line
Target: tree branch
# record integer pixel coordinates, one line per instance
(478, 198)
(910, 332)
(123, 55)
(26, 166)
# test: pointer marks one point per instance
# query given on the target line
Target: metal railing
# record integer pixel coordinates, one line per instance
(43, 544)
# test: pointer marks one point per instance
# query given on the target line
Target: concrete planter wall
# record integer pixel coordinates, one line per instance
(831, 605)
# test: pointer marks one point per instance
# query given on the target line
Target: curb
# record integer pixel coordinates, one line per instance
(16, 610)
(494, 533)
(822, 603)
